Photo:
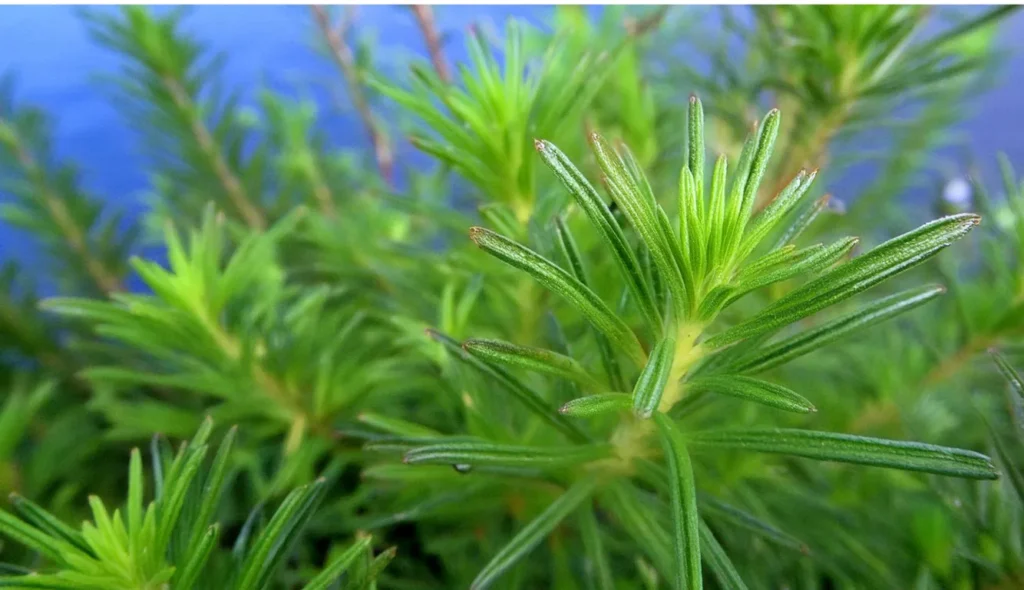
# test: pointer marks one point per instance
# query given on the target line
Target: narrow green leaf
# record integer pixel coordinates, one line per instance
(1008, 461)
(541, 408)
(814, 338)
(609, 360)
(642, 213)
(695, 145)
(501, 455)
(685, 520)
(195, 561)
(755, 390)
(779, 208)
(594, 405)
(597, 568)
(396, 426)
(643, 522)
(716, 210)
(759, 163)
(718, 560)
(532, 359)
(377, 567)
(863, 272)
(767, 263)
(134, 507)
(31, 537)
(48, 523)
(808, 260)
(603, 220)
(560, 282)
(831, 446)
(1010, 374)
(651, 384)
(734, 204)
(213, 487)
(533, 533)
(272, 542)
(797, 228)
(736, 517)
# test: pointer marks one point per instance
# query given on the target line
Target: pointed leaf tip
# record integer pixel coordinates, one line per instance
(539, 145)
(475, 233)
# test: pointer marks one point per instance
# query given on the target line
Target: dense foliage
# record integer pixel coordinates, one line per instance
(614, 333)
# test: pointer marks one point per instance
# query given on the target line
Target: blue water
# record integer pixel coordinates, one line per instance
(55, 63)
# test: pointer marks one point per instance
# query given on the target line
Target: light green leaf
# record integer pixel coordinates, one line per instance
(864, 272)
(603, 220)
(642, 212)
(562, 283)
(594, 405)
(751, 389)
(651, 384)
(336, 568)
(198, 555)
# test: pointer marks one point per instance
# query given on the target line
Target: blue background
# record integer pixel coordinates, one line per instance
(56, 64)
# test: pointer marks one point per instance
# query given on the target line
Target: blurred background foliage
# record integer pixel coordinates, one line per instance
(290, 256)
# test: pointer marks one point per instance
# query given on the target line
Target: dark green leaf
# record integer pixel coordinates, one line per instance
(830, 446)
(812, 339)
(494, 454)
(685, 520)
(534, 532)
(532, 359)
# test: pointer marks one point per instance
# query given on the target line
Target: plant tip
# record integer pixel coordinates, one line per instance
(538, 144)
(475, 232)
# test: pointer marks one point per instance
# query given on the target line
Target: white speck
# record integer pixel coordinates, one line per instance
(957, 192)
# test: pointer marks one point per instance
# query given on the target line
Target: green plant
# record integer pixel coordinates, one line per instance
(598, 389)
(174, 541)
(714, 254)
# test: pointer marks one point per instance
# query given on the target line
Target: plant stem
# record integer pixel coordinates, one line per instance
(425, 19)
(953, 363)
(345, 60)
(208, 146)
(106, 280)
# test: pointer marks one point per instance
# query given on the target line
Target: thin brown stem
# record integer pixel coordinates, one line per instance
(345, 60)
(106, 280)
(232, 186)
(952, 364)
(425, 19)
(640, 27)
